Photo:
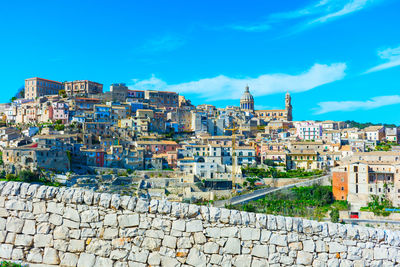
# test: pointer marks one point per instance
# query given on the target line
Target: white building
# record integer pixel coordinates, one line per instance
(308, 130)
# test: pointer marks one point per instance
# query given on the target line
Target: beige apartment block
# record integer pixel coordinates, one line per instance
(36, 87)
(372, 173)
(83, 88)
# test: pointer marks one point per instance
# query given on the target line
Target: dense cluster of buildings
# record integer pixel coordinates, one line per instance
(64, 126)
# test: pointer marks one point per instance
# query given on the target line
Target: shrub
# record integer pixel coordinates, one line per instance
(334, 215)
(11, 177)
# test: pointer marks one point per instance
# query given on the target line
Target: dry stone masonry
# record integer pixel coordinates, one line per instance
(47, 226)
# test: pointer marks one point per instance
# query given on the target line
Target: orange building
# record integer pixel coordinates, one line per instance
(340, 183)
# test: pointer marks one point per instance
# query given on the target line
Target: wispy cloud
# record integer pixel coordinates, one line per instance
(350, 7)
(223, 87)
(316, 13)
(261, 27)
(165, 43)
(375, 102)
(391, 55)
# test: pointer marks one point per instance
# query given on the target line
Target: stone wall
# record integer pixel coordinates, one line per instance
(47, 226)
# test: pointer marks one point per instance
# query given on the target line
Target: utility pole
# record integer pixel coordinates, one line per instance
(234, 163)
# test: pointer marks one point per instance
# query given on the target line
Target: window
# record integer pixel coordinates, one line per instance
(342, 188)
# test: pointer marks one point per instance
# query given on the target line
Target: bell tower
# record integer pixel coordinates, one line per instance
(288, 106)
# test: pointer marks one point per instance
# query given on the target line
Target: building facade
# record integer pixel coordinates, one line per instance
(83, 88)
(36, 87)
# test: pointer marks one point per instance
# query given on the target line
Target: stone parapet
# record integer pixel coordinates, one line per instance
(48, 226)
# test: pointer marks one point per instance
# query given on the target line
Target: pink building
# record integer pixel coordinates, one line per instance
(59, 111)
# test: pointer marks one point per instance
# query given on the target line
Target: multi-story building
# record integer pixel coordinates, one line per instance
(369, 173)
(83, 88)
(162, 98)
(375, 133)
(308, 130)
(36, 87)
(135, 94)
(119, 92)
(392, 134)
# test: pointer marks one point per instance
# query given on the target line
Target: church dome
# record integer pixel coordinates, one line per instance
(246, 97)
(247, 101)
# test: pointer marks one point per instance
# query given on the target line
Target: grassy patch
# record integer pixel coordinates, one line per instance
(312, 202)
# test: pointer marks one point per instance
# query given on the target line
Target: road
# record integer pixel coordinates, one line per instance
(352, 221)
(257, 194)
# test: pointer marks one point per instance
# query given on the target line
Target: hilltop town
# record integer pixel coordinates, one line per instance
(157, 144)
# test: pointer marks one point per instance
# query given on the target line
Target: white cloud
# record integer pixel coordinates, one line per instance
(392, 55)
(350, 7)
(223, 87)
(252, 28)
(375, 102)
(165, 43)
(319, 12)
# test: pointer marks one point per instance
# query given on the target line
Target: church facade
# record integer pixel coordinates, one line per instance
(247, 104)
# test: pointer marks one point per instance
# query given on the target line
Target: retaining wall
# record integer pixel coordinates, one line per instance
(47, 226)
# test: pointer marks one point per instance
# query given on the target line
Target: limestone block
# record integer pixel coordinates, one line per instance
(194, 226)
(110, 220)
(5, 251)
(211, 248)
(35, 255)
(380, 253)
(72, 214)
(57, 208)
(14, 204)
(213, 232)
(169, 241)
(88, 198)
(335, 247)
(154, 259)
(168, 261)
(279, 240)
(105, 200)
(308, 246)
(50, 256)
(69, 260)
(118, 254)
(14, 225)
(110, 233)
(61, 232)
(17, 254)
(179, 225)
(151, 243)
(115, 201)
(164, 207)
(86, 260)
(199, 238)
(43, 240)
(260, 251)
(55, 219)
(242, 261)
(184, 242)
(304, 258)
(89, 216)
(232, 246)
(128, 220)
(196, 258)
(23, 240)
(99, 247)
(76, 245)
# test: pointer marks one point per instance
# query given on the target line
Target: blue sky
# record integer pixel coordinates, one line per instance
(340, 59)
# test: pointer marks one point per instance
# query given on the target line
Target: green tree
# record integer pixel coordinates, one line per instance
(334, 215)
